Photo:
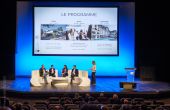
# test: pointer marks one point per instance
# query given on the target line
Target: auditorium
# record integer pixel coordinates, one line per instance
(84, 55)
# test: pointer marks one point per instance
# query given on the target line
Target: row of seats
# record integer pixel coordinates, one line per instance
(86, 102)
(81, 80)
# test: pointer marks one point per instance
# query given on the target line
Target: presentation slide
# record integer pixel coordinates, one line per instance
(75, 31)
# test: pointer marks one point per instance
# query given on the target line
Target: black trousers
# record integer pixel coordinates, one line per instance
(52, 74)
(72, 78)
(93, 78)
(65, 74)
(45, 78)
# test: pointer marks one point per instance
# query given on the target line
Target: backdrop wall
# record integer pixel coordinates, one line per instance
(25, 62)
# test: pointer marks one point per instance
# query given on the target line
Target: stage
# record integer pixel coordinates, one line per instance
(21, 85)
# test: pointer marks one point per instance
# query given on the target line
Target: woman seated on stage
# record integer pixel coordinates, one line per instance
(52, 71)
(65, 71)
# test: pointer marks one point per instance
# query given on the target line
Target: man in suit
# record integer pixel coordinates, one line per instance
(52, 71)
(43, 73)
(74, 73)
(42, 70)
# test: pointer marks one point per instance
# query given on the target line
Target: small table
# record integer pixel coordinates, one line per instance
(59, 81)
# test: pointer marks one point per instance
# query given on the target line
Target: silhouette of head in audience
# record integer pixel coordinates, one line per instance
(105, 107)
(18, 106)
(101, 95)
(76, 95)
(115, 96)
(125, 101)
(87, 95)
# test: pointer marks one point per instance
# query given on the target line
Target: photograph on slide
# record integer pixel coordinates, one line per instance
(77, 32)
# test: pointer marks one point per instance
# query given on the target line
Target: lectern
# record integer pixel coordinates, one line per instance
(130, 72)
(129, 84)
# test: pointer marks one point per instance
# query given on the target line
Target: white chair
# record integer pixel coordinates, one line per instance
(49, 78)
(83, 74)
(82, 79)
(36, 80)
(85, 81)
(69, 73)
(77, 80)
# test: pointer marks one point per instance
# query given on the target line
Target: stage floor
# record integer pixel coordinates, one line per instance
(105, 84)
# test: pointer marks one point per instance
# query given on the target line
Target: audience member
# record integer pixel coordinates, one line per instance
(66, 102)
(102, 99)
(88, 98)
(115, 99)
(125, 105)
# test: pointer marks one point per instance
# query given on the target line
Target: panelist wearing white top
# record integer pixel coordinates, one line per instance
(93, 77)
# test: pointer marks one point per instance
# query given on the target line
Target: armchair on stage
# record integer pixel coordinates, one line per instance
(36, 80)
(81, 80)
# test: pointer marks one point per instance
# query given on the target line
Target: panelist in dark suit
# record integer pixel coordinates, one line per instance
(43, 73)
(65, 71)
(52, 71)
(74, 73)
(42, 70)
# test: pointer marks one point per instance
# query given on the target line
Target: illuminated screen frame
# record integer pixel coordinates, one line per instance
(33, 37)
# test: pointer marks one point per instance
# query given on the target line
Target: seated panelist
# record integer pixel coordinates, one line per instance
(43, 73)
(42, 70)
(65, 71)
(74, 73)
(52, 71)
